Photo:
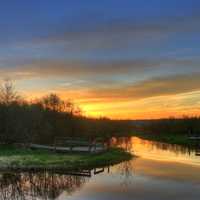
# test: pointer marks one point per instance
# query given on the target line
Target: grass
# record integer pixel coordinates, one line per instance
(16, 158)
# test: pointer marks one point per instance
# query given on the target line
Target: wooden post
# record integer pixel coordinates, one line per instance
(55, 145)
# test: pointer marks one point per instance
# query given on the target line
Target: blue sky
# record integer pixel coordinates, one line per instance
(105, 54)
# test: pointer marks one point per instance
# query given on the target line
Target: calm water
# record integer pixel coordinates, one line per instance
(161, 171)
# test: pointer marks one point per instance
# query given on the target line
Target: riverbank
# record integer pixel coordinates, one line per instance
(167, 138)
(24, 159)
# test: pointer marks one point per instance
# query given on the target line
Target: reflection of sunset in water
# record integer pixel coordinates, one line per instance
(160, 172)
(157, 150)
(40, 185)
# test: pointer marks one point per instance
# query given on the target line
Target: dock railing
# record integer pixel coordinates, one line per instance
(81, 143)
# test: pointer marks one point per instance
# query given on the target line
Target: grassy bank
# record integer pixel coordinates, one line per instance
(15, 158)
(171, 130)
(180, 139)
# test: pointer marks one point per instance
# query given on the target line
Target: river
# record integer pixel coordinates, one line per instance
(158, 172)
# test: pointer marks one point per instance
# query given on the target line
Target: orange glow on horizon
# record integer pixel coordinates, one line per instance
(125, 109)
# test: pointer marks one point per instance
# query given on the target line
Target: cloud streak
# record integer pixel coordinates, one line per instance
(77, 69)
(165, 86)
(122, 33)
(123, 57)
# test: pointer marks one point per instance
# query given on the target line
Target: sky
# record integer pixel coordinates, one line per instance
(130, 59)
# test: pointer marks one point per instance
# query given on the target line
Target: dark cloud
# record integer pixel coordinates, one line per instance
(121, 33)
(164, 86)
(111, 34)
(77, 69)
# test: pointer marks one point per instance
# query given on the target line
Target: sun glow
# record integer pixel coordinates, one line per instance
(147, 108)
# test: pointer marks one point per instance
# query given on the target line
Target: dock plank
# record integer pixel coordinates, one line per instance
(67, 149)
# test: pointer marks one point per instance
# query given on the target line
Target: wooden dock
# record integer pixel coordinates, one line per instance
(72, 145)
(194, 137)
(67, 149)
(85, 173)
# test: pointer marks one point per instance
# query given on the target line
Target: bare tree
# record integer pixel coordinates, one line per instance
(52, 102)
(8, 94)
(55, 103)
(70, 107)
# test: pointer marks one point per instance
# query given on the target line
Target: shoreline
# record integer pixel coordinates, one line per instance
(167, 138)
(29, 160)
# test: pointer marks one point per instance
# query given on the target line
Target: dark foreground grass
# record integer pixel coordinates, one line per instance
(23, 159)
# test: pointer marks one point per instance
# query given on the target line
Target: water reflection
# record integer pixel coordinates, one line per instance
(125, 171)
(161, 171)
(143, 179)
(42, 185)
(158, 151)
(197, 148)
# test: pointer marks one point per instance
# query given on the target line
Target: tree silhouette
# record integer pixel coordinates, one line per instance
(8, 93)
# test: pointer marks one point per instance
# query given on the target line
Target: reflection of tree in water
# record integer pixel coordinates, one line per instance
(126, 171)
(177, 149)
(197, 148)
(10, 186)
(42, 185)
(123, 142)
(128, 144)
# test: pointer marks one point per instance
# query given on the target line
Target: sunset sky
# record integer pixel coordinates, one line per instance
(118, 58)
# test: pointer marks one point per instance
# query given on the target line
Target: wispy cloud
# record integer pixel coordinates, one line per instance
(115, 60)
(121, 33)
(164, 86)
(77, 69)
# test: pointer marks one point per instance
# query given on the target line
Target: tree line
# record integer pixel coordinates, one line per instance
(187, 125)
(42, 120)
